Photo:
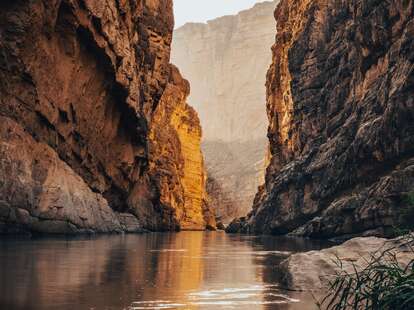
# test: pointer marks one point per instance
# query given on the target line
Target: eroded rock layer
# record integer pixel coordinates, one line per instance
(341, 108)
(84, 80)
(225, 61)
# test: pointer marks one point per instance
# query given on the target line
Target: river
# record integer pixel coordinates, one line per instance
(187, 270)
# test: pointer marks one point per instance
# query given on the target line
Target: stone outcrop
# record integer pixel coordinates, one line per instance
(42, 193)
(312, 271)
(87, 97)
(340, 104)
(225, 61)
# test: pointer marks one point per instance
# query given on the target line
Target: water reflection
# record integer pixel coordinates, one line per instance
(189, 270)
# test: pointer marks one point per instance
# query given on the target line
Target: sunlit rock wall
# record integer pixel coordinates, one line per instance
(176, 159)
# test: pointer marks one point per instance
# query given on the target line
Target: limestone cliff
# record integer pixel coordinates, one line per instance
(81, 84)
(340, 104)
(225, 61)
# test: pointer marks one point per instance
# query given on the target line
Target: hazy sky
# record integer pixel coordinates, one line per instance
(203, 10)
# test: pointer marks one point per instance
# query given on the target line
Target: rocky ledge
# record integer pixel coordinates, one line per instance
(312, 271)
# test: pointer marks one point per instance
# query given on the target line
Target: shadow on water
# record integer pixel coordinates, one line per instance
(188, 270)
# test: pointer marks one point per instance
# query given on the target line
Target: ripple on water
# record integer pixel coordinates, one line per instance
(168, 250)
(155, 305)
(230, 298)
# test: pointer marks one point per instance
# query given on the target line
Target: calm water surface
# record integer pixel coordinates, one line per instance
(188, 270)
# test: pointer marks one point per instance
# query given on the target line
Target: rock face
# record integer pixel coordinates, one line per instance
(340, 104)
(87, 98)
(42, 192)
(312, 271)
(225, 61)
(235, 170)
(178, 165)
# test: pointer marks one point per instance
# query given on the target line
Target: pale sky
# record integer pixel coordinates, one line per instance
(204, 10)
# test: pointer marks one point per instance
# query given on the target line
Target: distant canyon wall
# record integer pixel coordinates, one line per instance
(235, 170)
(95, 132)
(341, 110)
(226, 61)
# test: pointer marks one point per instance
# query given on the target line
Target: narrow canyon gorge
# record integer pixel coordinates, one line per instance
(341, 110)
(96, 135)
(128, 146)
(226, 60)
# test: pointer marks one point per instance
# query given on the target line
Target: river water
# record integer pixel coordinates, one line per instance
(187, 270)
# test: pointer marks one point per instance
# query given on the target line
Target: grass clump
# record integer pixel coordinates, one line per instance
(385, 283)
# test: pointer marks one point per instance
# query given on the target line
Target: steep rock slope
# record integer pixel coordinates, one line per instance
(178, 165)
(339, 99)
(225, 61)
(80, 84)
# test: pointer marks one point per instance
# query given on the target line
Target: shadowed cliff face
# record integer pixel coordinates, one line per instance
(225, 61)
(84, 80)
(339, 100)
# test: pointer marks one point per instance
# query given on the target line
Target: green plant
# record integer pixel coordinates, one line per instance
(410, 198)
(407, 213)
(384, 284)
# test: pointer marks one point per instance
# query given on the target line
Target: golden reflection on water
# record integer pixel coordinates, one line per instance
(178, 268)
(188, 270)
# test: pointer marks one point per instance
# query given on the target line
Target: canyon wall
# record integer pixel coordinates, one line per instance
(96, 135)
(225, 61)
(235, 170)
(341, 109)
